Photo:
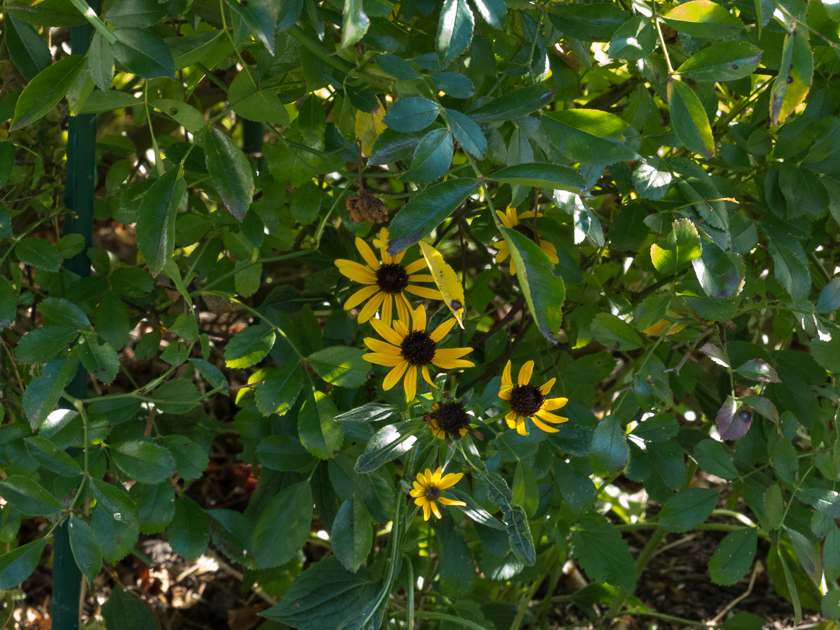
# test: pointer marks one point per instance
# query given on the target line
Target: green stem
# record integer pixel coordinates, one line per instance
(93, 19)
(436, 616)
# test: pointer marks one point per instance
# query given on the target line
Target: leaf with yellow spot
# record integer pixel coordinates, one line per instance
(446, 280)
(663, 324)
(369, 126)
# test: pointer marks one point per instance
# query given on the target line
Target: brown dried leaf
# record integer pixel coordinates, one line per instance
(366, 207)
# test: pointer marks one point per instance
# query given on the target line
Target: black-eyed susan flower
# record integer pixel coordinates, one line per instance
(529, 401)
(409, 349)
(449, 420)
(511, 219)
(428, 487)
(386, 283)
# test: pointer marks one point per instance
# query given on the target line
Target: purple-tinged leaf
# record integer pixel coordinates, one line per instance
(759, 370)
(715, 354)
(732, 422)
(765, 407)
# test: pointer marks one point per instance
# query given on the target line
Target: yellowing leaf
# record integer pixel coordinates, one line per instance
(446, 280)
(369, 126)
(662, 324)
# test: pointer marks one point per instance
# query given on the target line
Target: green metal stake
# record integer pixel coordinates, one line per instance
(78, 196)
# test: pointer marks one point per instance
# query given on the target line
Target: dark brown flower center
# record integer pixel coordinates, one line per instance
(433, 493)
(527, 232)
(452, 417)
(392, 278)
(418, 348)
(526, 400)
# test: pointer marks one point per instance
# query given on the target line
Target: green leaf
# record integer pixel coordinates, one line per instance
(733, 556)
(280, 389)
(114, 501)
(803, 191)
(323, 596)
(319, 433)
(716, 271)
(397, 67)
(544, 292)
(525, 490)
(467, 133)
(189, 532)
(61, 312)
(352, 535)
(703, 18)
(283, 453)
(790, 267)
(474, 510)
(340, 365)
(18, 564)
(713, 457)
(125, 611)
(633, 40)
(143, 54)
(681, 246)
(155, 229)
(116, 537)
(795, 75)
(101, 62)
(7, 160)
(759, 370)
(44, 392)
(28, 50)
(100, 360)
(689, 119)
(283, 527)
(424, 212)
(387, 444)
(537, 175)
(604, 555)
(155, 506)
(774, 506)
(492, 11)
(608, 451)
(46, 90)
(453, 84)
(112, 320)
(369, 412)
(249, 346)
(38, 253)
(513, 516)
(726, 61)
(52, 458)
(830, 605)
(254, 102)
(176, 396)
(43, 344)
(230, 172)
(688, 509)
(588, 21)
(615, 333)
(190, 459)
(355, 23)
(135, 13)
(411, 114)
(86, 550)
(432, 157)
(8, 304)
(210, 372)
(455, 30)
(514, 104)
(306, 203)
(829, 298)
(28, 497)
(589, 136)
(831, 554)
(142, 460)
(260, 17)
(182, 113)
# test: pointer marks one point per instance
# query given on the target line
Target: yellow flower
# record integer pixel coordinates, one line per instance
(386, 283)
(510, 219)
(529, 401)
(427, 490)
(407, 349)
(449, 420)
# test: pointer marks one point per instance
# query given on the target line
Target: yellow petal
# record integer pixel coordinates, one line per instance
(423, 292)
(441, 331)
(355, 271)
(367, 254)
(403, 307)
(369, 309)
(451, 364)
(554, 403)
(416, 266)
(520, 427)
(417, 493)
(435, 481)
(379, 358)
(419, 322)
(387, 306)
(525, 373)
(506, 378)
(421, 277)
(545, 427)
(435, 509)
(394, 375)
(382, 347)
(546, 387)
(427, 511)
(426, 377)
(360, 296)
(401, 328)
(449, 480)
(550, 417)
(386, 332)
(504, 392)
(446, 501)
(410, 382)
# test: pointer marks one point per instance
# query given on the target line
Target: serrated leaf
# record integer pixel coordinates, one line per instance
(432, 157)
(688, 509)
(28, 497)
(455, 30)
(726, 61)
(681, 246)
(142, 460)
(28, 50)
(411, 114)
(716, 271)
(513, 105)
(260, 17)
(189, 532)
(829, 297)
(541, 176)
(230, 172)
(733, 422)
(155, 229)
(101, 360)
(143, 54)
(467, 133)
(249, 346)
(283, 453)
(86, 550)
(355, 23)
(280, 389)
(352, 535)
(18, 564)
(689, 119)
(319, 432)
(703, 18)
(608, 450)
(340, 365)
(46, 90)
(615, 333)
(283, 527)
(759, 370)
(604, 555)
(795, 75)
(38, 253)
(733, 556)
(386, 445)
(446, 281)
(44, 392)
(588, 136)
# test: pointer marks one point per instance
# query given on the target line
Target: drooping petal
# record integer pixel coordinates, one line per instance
(449, 480)
(369, 309)
(545, 427)
(419, 319)
(441, 331)
(546, 387)
(410, 382)
(386, 332)
(446, 501)
(550, 417)
(403, 307)
(423, 292)
(554, 403)
(367, 254)
(506, 378)
(427, 511)
(436, 510)
(503, 218)
(446, 364)
(450, 358)
(394, 375)
(503, 252)
(416, 266)
(525, 373)
(360, 296)
(381, 358)
(512, 267)
(505, 391)
(353, 270)
(425, 372)
(521, 429)
(550, 251)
